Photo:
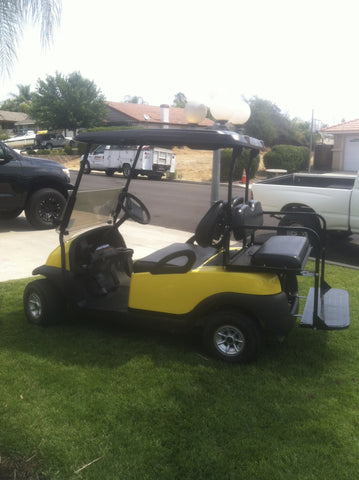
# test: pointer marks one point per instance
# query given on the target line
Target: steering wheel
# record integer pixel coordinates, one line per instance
(135, 209)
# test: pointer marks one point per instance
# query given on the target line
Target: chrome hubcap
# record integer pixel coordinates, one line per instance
(35, 307)
(229, 340)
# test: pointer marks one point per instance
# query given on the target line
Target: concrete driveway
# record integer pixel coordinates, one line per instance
(23, 248)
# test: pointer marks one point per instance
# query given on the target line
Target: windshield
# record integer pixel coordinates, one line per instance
(93, 208)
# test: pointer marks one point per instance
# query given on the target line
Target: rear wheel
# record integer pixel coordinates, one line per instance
(299, 220)
(45, 208)
(232, 337)
(43, 305)
(126, 170)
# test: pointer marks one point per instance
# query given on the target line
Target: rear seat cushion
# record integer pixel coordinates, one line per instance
(283, 251)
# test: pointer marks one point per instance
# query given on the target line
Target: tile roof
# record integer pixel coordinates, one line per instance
(152, 114)
(6, 116)
(347, 127)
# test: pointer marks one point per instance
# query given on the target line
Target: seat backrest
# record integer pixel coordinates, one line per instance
(244, 215)
(210, 230)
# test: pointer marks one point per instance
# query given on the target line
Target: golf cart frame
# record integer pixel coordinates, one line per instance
(235, 292)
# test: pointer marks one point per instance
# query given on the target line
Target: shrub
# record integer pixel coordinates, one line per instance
(68, 150)
(226, 157)
(288, 157)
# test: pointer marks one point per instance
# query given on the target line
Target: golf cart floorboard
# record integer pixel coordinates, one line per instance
(333, 310)
(115, 301)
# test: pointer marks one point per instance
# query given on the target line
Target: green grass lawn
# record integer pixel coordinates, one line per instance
(96, 401)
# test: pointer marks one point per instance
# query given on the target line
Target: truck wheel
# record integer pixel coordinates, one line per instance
(126, 170)
(300, 221)
(43, 305)
(110, 171)
(155, 176)
(232, 337)
(45, 208)
(87, 168)
(48, 146)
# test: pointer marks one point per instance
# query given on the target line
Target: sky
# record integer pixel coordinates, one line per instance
(299, 54)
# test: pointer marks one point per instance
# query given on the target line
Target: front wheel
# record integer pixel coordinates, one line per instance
(45, 208)
(87, 168)
(232, 337)
(43, 305)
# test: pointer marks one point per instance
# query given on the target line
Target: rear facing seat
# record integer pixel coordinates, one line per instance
(279, 251)
(282, 251)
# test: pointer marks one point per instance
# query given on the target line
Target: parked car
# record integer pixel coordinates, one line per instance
(50, 140)
(36, 185)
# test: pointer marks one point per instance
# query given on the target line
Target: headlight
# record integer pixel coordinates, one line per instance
(67, 173)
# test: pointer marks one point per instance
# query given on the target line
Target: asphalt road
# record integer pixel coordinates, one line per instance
(180, 205)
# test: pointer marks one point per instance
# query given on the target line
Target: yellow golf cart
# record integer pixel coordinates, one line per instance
(222, 280)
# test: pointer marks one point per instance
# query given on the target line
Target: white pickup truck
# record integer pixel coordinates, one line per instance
(153, 161)
(335, 196)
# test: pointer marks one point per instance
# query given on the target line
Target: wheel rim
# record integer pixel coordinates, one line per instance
(229, 340)
(126, 171)
(49, 209)
(35, 306)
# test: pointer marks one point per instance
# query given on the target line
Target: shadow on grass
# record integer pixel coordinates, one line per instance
(106, 341)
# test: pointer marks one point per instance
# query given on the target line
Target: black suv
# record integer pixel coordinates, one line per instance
(36, 185)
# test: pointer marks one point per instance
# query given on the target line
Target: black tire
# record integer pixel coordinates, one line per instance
(126, 170)
(232, 337)
(43, 305)
(155, 176)
(110, 171)
(87, 168)
(48, 146)
(44, 208)
(299, 220)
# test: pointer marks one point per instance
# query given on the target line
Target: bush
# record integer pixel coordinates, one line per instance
(288, 157)
(68, 150)
(226, 157)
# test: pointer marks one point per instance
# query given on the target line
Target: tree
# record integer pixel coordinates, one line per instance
(134, 99)
(180, 100)
(268, 123)
(14, 15)
(69, 102)
(20, 102)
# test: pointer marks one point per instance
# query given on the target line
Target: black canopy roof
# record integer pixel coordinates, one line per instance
(193, 138)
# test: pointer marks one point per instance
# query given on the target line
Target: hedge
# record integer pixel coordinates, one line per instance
(287, 157)
(226, 157)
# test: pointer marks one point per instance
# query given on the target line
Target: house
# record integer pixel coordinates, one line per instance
(346, 145)
(128, 114)
(15, 122)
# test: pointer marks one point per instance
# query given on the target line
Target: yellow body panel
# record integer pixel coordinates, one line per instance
(181, 293)
(54, 259)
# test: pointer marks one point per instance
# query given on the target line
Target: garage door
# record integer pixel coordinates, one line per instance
(351, 154)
